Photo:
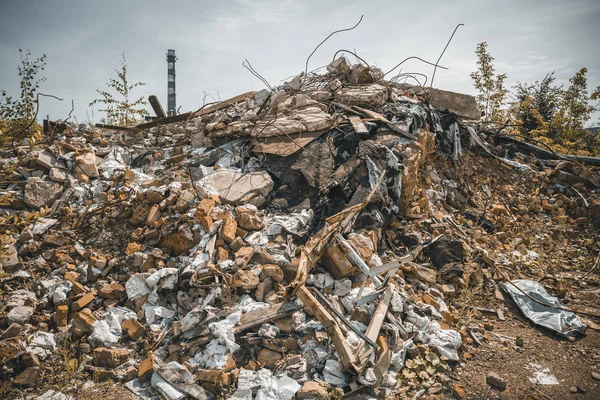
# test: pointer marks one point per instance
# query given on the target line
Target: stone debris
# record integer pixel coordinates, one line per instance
(304, 242)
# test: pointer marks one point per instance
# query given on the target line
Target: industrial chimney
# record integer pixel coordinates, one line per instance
(171, 107)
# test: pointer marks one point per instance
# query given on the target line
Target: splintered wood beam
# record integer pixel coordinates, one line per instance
(376, 322)
(156, 106)
(316, 309)
(259, 317)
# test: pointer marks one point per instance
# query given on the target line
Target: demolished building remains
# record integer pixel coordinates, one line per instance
(301, 242)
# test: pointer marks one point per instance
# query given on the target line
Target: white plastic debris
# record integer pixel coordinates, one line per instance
(108, 331)
(399, 357)
(342, 287)
(542, 376)
(223, 330)
(320, 280)
(295, 223)
(266, 385)
(143, 391)
(53, 395)
(446, 341)
(268, 331)
(20, 297)
(397, 302)
(163, 387)
(563, 322)
(136, 286)
(214, 355)
(102, 335)
(157, 316)
(42, 345)
(165, 278)
(333, 374)
(280, 388)
(248, 304)
(56, 289)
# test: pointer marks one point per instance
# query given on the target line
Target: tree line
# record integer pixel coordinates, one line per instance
(541, 111)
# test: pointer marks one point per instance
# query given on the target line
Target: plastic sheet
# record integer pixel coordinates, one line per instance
(563, 322)
(333, 374)
(42, 345)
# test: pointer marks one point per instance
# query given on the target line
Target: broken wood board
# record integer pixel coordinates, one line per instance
(384, 360)
(312, 305)
(200, 112)
(375, 324)
(263, 315)
(222, 105)
(286, 145)
(342, 222)
(357, 124)
(179, 381)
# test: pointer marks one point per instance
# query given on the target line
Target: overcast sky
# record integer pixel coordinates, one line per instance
(84, 39)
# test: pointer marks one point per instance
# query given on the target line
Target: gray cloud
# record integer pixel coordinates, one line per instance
(83, 41)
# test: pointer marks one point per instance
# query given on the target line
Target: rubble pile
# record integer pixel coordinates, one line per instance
(314, 240)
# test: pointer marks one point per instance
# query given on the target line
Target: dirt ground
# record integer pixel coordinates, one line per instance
(569, 362)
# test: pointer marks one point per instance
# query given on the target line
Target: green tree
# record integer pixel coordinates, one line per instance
(556, 116)
(492, 93)
(17, 113)
(535, 106)
(121, 110)
(576, 108)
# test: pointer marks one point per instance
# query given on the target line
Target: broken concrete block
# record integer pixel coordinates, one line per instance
(83, 321)
(462, 105)
(13, 330)
(62, 313)
(371, 95)
(28, 377)
(269, 358)
(312, 391)
(205, 207)
(494, 380)
(40, 193)
(20, 314)
(86, 164)
(272, 271)
(57, 175)
(153, 215)
(45, 159)
(235, 187)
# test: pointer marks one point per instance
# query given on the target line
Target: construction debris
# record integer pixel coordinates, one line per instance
(308, 241)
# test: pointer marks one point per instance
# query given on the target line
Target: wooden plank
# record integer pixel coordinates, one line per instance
(163, 121)
(357, 124)
(156, 106)
(222, 105)
(115, 127)
(315, 308)
(376, 322)
(179, 381)
(259, 317)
